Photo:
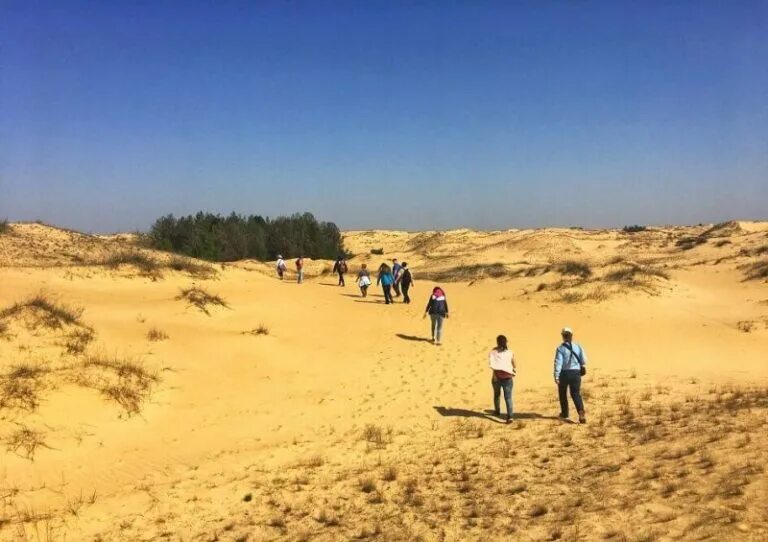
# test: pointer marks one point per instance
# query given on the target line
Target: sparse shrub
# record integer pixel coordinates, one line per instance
(199, 298)
(367, 485)
(687, 243)
(463, 273)
(633, 229)
(155, 334)
(571, 297)
(571, 267)
(538, 510)
(722, 243)
(745, 326)
(146, 264)
(376, 435)
(5, 227)
(377, 251)
(191, 267)
(389, 474)
(756, 271)
(631, 273)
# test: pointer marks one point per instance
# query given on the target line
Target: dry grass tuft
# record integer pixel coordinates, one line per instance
(466, 273)
(5, 227)
(20, 387)
(260, 330)
(574, 268)
(78, 340)
(376, 435)
(155, 334)
(125, 381)
(24, 442)
(201, 299)
(45, 311)
(756, 270)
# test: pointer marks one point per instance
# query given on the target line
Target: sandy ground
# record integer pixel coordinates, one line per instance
(340, 420)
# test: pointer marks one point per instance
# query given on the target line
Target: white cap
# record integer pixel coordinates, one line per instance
(567, 331)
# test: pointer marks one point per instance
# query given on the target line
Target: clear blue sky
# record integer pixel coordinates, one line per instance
(406, 115)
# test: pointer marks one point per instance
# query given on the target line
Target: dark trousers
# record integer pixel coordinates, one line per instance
(406, 287)
(570, 380)
(396, 288)
(341, 279)
(387, 293)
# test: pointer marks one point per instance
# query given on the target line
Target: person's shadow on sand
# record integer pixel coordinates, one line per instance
(412, 338)
(489, 414)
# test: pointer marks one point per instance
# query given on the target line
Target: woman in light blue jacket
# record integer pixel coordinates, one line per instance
(386, 279)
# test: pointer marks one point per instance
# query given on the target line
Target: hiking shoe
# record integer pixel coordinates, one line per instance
(582, 418)
(509, 419)
(562, 416)
(497, 413)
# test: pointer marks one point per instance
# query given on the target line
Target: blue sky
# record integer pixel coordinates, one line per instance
(407, 115)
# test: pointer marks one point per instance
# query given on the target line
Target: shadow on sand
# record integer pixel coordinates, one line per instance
(413, 338)
(489, 414)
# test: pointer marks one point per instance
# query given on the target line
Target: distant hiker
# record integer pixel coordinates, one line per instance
(502, 362)
(406, 281)
(570, 366)
(386, 280)
(281, 267)
(364, 280)
(396, 271)
(340, 267)
(299, 270)
(437, 309)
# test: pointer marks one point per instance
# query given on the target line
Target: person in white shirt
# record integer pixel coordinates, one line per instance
(502, 362)
(280, 266)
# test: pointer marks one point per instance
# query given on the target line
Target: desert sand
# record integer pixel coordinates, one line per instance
(303, 412)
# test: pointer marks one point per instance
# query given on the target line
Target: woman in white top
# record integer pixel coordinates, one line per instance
(502, 362)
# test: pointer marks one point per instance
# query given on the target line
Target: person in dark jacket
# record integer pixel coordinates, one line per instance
(340, 267)
(437, 309)
(386, 280)
(406, 281)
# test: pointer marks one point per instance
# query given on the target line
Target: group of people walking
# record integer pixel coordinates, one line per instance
(569, 366)
(570, 363)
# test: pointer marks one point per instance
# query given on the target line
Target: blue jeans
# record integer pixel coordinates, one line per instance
(570, 380)
(437, 326)
(505, 384)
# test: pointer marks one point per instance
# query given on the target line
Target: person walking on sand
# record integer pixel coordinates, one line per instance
(386, 280)
(570, 366)
(364, 280)
(437, 309)
(502, 362)
(299, 270)
(396, 273)
(280, 266)
(340, 267)
(406, 281)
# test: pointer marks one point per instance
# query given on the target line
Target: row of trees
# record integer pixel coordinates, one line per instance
(218, 238)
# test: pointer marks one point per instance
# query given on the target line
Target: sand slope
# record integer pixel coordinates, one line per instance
(341, 421)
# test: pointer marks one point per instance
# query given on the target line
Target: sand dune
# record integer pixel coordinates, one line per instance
(287, 412)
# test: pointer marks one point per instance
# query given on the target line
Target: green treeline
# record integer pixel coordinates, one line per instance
(236, 237)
